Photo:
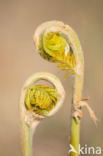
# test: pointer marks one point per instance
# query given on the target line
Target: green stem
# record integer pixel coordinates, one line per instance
(26, 140)
(75, 136)
(75, 127)
(27, 132)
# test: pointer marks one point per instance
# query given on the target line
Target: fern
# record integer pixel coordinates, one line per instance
(40, 98)
(55, 48)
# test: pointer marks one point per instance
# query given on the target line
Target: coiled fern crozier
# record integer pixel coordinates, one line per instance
(37, 102)
(57, 42)
(54, 47)
(40, 99)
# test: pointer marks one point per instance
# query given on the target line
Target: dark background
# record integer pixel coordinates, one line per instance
(18, 60)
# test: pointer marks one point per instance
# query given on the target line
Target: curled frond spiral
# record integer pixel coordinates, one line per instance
(40, 98)
(37, 102)
(54, 42)
(58, 42)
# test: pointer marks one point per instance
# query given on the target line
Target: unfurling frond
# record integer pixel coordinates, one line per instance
(40, 99)
(54, 47)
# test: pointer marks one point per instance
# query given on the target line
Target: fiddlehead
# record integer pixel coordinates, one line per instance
(41, 99)
(54, 45)
(57, 42)
(37, 102)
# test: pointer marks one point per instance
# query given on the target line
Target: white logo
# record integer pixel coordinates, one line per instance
(72, 149)
(86, 150)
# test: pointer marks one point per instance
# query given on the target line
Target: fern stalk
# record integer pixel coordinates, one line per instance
(77, 96)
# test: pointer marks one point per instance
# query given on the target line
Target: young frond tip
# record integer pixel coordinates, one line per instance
(54, 47)
(40, 99)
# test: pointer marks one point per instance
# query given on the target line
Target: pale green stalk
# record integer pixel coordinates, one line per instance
(75, 127)
(77, 95)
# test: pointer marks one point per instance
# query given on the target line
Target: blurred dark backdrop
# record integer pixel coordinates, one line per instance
(18, 60)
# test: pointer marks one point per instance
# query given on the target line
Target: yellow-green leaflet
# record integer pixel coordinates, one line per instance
(54, 47)
(40, 99)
